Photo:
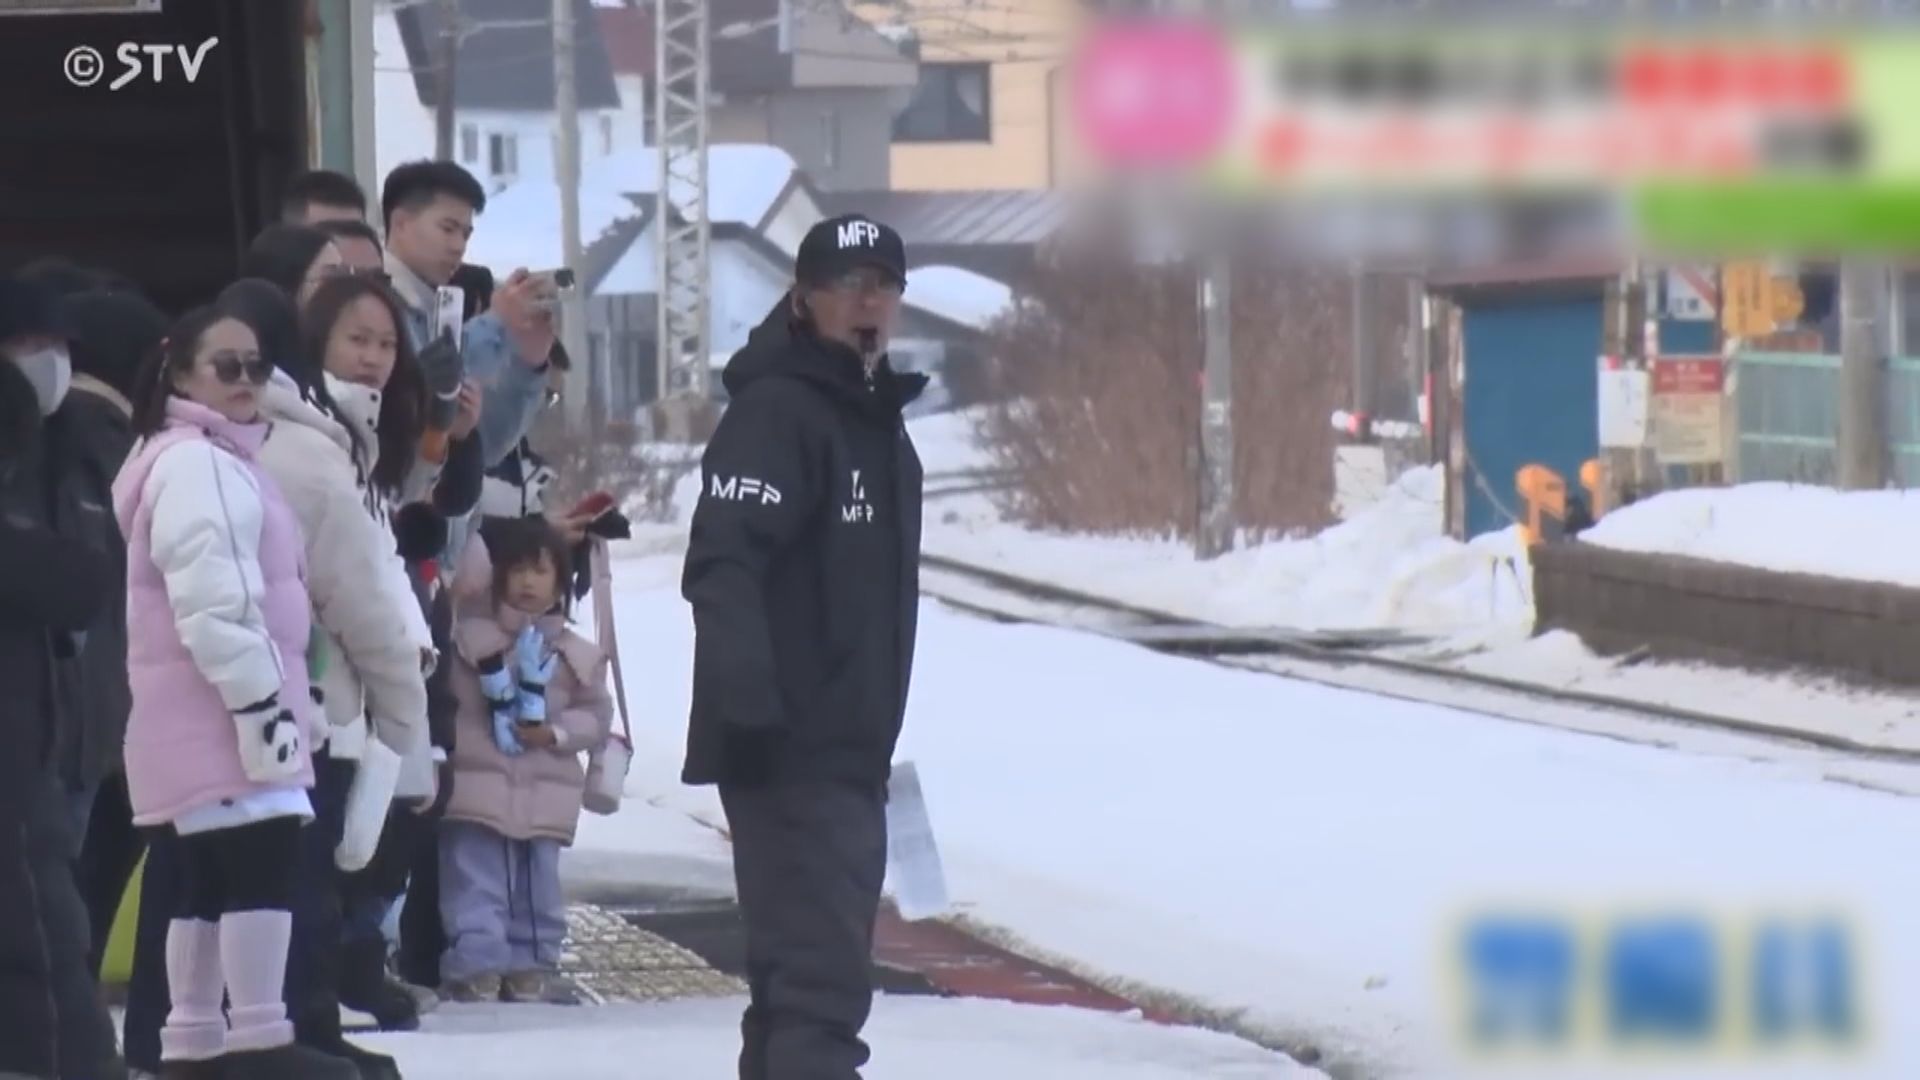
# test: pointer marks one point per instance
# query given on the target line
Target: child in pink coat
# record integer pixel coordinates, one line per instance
(532, 699)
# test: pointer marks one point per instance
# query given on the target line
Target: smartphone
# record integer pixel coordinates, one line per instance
(450, 311)
(594, 506)
(561, 279)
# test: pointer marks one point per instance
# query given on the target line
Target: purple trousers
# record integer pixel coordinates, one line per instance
(500, 902)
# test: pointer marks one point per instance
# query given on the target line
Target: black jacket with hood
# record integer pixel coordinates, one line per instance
(52, 590)
(803, 566)
(87, 440)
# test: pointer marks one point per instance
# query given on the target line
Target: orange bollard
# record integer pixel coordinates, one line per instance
(1544, 494)
(1593, 477)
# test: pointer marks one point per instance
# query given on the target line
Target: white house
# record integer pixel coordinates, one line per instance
(504, 121)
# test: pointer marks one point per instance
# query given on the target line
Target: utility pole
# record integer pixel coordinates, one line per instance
(1215, 534)
(681, 65)
(581, 381)
(446, 79)
(1862, 445)
(1361, 344)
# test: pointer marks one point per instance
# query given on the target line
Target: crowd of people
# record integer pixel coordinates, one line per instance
(285, 622)
(258, 528)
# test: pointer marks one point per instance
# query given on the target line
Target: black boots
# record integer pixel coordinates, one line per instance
(366, 987)
(320, 1030)
(290, 1062)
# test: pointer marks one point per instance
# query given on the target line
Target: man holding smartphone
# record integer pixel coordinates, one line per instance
(803, 572)
(429, 207)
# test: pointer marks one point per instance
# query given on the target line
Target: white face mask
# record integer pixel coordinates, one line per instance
(50, 370)
(359, 404)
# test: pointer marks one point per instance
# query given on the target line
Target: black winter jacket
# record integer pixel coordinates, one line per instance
(51, 590)
(803, 567)
(86, 442)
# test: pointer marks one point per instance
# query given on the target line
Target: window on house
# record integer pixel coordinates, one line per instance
(951, 104)
(469, 144)
(503, 155)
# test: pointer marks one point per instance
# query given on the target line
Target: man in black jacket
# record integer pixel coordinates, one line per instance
(55, 579)
(803, 572)
(110, 333)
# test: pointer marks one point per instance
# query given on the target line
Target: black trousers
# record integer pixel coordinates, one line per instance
(809, 862)
(85, 1027)
(108, 857)
(313, 969)
(29, 1036)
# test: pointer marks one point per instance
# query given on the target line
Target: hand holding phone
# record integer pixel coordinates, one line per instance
(593, 506)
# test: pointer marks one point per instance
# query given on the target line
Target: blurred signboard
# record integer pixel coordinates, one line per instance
(1755, 301)
(1720, 136)
(1623, 405)
(1656, 984)
(1688, 415)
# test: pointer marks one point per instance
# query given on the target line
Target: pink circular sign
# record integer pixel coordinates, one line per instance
(1154, 93)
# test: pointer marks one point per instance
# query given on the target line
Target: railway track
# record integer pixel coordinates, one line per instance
(1352, 661)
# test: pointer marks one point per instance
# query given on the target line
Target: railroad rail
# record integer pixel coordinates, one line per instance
(1352, 661)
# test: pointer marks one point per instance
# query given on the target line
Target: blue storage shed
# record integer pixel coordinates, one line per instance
(1530, 338)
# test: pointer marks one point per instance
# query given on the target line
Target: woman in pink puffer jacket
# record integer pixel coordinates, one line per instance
(217, 743)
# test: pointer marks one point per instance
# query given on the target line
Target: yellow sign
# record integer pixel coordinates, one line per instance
(1754, 302)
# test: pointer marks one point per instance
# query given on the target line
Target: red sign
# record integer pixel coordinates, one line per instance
(1689, 375)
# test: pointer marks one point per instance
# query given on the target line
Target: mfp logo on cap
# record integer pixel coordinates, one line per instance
(849, 242)
(858, 234)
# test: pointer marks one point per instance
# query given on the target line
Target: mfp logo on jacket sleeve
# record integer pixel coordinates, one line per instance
(742, 489)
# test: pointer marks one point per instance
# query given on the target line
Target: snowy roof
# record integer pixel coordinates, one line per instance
(521, 225)
(958, 295)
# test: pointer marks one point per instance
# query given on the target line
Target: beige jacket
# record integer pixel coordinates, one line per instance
(535, 795)
(361, 599)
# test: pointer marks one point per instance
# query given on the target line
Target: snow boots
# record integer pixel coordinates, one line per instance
(289, 1062)
(366, 987)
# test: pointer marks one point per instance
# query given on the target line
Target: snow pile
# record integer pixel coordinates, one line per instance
(1389, 565)
(958, 295)
(1864, 535)
(521, 225)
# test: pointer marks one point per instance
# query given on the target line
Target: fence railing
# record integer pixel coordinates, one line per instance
(1788, 417)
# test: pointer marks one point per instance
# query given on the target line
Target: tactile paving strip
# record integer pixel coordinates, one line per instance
(611, 960)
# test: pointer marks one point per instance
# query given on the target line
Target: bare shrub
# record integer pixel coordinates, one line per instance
(1096, 375)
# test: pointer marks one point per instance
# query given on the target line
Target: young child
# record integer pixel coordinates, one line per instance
(532, 699)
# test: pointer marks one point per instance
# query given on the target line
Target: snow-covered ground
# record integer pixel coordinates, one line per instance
(914, 1039)
(1388, 565)
(1295, 855)
(1866, 535)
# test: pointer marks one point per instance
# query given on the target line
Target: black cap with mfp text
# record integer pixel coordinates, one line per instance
(849, 242)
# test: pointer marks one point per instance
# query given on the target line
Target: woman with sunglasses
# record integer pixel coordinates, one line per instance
(218, 742)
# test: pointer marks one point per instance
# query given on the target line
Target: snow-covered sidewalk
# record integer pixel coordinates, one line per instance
(913, 1039)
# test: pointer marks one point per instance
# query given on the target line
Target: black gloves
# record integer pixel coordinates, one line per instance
(444, 369)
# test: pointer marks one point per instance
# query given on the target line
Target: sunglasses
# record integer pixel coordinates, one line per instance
(231, 369)
(862, 282)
